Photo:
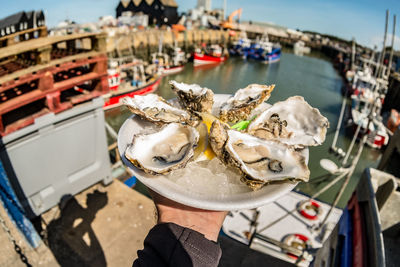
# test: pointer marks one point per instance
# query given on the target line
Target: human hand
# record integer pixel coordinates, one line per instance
(206, 222)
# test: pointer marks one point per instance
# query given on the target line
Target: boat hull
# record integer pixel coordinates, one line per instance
(200, 59)
(173, 70)
(114, 99)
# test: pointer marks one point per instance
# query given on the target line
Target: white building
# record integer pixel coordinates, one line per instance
(206, 4)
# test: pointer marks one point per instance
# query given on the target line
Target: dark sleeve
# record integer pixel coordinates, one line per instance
(169, 244)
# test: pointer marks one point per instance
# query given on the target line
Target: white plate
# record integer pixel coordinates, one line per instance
(171, 190)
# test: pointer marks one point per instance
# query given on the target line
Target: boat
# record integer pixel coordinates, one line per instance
(128, 77)
(300, 48)
(241, 45)
(367, 100)
(170, 64)
(212, 54)
(298, 230)
(263, 50)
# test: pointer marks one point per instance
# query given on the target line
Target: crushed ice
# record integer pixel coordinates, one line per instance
(209, 177)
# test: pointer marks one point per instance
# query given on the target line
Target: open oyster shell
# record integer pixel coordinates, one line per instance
(193, 97)
(239, 106)
(163, 151)
(260, 161)
(293, 122)
(155, 109)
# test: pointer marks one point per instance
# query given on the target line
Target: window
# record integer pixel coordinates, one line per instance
(25, 25)
(8, 30)
(21, 26)
(12, 28)
(2, 32)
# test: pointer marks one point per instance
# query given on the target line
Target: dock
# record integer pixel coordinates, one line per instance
(101, 226)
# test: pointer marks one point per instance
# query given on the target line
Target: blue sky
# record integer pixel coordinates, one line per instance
(362, 19)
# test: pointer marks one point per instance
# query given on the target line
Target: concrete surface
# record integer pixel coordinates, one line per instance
(41, 256)
(102, 226)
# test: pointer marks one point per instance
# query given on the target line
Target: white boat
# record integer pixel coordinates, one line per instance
(300, 48)
(290, 221)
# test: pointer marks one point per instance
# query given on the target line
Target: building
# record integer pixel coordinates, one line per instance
(159, 11)
(22, 26)
(206, 4)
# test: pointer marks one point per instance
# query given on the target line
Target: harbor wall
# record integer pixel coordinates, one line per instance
(144, 42)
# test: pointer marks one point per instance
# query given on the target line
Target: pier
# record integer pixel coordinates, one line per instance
(145, 42)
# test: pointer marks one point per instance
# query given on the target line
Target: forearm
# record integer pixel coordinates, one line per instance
(169, 244)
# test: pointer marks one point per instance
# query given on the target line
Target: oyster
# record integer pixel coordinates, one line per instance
(193, 97)
(293, 122)
(166, 150)
(260, 161)
(239, 106)
(154, 108)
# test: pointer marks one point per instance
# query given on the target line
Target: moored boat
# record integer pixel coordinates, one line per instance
(128, 77)
(211, 55)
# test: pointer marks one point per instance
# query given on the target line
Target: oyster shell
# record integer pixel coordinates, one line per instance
(155, 109)
(239, 106)
(193, 97)
(163, 151)
(293, 122)
(260, 161)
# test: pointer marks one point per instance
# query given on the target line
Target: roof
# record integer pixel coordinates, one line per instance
(11, 20)
(125, 3)
(149, 2)
(170, 3)
(136, 2)
(29, 14)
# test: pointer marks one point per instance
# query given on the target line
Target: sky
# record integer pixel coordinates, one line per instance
(362, 19)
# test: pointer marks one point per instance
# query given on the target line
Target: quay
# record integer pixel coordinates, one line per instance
(145, 42)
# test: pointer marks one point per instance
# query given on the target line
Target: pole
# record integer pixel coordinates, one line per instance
(391, 52)
(224, 10)
(382, 55)
(353, 53)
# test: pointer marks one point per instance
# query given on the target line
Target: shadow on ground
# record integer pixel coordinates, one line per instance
(71, 237)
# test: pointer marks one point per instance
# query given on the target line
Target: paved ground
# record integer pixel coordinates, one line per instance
(41, 256)
(102, 226)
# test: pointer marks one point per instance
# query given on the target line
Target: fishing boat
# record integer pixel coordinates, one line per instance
(128, 77)
(212, 54)
(240, 46)
(263, 50)
(170, 64)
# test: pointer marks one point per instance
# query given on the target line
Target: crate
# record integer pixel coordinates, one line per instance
(58, 155)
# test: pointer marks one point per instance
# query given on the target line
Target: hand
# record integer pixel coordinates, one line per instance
(206, 222)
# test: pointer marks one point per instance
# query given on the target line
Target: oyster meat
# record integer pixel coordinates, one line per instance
(155, 109)
(239, 106)
(260, 161)
(293, 122)
(193, 97)
(163, 151)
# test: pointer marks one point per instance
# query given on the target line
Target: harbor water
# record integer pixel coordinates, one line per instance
(312, 77)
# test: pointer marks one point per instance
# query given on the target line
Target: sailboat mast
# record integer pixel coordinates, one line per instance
(382, 56)
(391, 52)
